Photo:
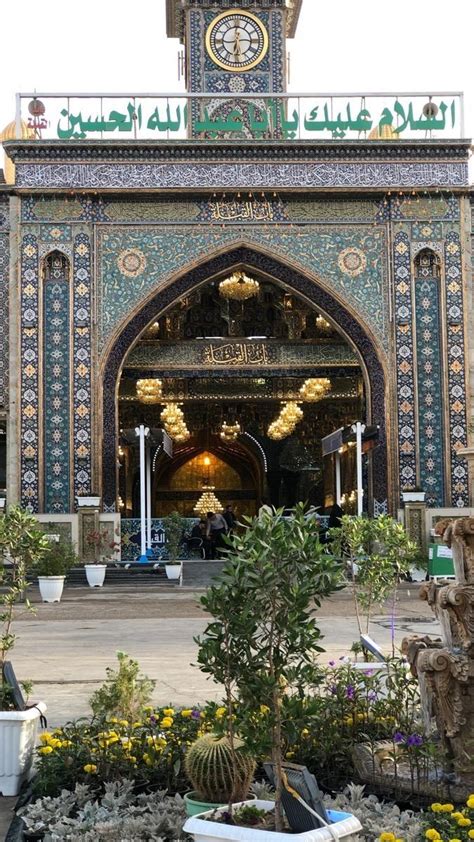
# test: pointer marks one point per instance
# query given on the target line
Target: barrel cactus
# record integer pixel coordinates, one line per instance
(215, 775)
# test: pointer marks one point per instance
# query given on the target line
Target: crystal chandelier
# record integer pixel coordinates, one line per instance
(173, 421)
(239, 287)
(230, 432)
(290, 415)
(315, 388)
(149, 390)
(208, 502)
(323, 324)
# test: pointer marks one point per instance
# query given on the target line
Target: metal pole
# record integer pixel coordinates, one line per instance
(338, 478)
(149, 550)
(141, 432)
(358, 429)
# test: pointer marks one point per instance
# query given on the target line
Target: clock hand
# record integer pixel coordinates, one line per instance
(237, 48)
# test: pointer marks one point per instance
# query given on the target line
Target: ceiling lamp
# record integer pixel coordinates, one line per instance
(290, 415)
(239, 287)
(208, 502)
(323, 324)
(315, 389)
(230, 432)
(173, 421)
(149, 390)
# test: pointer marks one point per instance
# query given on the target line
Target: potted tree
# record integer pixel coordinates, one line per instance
(173, 526)
(260, 644)
(53, 567)
(105, 547)
(22, 544)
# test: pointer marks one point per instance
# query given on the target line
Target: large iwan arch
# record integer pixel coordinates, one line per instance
(346, 321)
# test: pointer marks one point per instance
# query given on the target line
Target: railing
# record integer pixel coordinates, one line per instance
(240, 116)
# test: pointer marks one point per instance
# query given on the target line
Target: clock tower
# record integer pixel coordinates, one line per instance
(234, 46)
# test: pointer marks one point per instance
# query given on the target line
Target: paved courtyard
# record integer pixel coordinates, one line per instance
(64, 649)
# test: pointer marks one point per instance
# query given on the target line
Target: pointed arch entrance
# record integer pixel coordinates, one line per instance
(342, 316)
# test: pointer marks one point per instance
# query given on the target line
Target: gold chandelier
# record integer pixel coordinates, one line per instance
(208, 502)
(239, 287)
(149, 390)
(315, 388)
(290, 415)
(323, 324)
(173, 421)
(230, 432)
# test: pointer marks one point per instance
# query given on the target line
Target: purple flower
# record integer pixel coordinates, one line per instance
(398, 737)
(333, 689)
(153, 719)
(350, 692)
(368, 672)
(195, 714)
(332, 663)
(372, 696)
(414, 740)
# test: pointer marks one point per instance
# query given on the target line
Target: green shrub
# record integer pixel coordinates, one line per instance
(125, 693)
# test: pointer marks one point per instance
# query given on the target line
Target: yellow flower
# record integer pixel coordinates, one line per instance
(55, 743)
(456, 816)
(387, 837)
(148, 709)
(290, 754)
(305, 732)
(447, 808)
(45, 750)
(166, 722)
(168, 711)
(113, 720)
(437, 807)
(123, 722)
(470, 833)
(45, 738)
(470, 802)
(131, 758)
(148, 760)
(66, 743)
(432, 833)
(137, 724)
(264, 709)
(90, 768)
(464, 822)
(455, 840)
(186, 713)
(127, 744)
(220, 712)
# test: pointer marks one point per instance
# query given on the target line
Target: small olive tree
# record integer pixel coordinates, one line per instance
(376, 551)
(22, 545)
(263, 639)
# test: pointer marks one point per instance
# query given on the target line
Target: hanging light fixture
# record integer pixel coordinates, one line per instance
(323, 324)
(149, 390)
(315, 388)
(239, 287)
(208, 502)
(290, 415)
(173, 421)
(230, 432)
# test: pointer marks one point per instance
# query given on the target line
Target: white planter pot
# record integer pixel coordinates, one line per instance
(17, 740)
(413, 496)
(173, 571)
(417, 574)
(345, 826)
(91, 502)
(51, 588)
(95, 574)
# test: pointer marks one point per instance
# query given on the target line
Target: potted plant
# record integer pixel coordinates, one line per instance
(53, 567)
(219, 772)
(105, 547)
(377, 553)
(22, 544)
(173, 526)
(260, 644)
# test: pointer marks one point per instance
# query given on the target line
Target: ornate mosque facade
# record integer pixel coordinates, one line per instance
(117, 232)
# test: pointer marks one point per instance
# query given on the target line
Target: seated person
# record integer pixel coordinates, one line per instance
(197, 540)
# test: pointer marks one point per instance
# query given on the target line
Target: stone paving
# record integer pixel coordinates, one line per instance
(64, 649)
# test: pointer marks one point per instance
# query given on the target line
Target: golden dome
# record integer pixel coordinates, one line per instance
(384, 133)
(9, 133)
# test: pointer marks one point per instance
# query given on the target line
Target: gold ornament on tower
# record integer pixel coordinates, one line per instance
(239, 287)
(149, 390)
(315, 388)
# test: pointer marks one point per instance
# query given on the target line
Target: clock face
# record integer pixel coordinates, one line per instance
(237, 41)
